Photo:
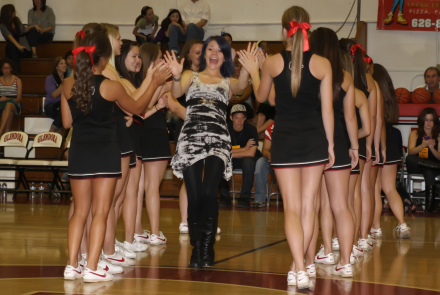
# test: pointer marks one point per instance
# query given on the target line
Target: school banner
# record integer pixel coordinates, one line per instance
(409, 15)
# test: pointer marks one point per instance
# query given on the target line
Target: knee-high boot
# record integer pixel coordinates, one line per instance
(194, 238)
(208, 232)
(430, 198)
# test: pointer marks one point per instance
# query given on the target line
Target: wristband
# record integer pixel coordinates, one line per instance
(177, 80)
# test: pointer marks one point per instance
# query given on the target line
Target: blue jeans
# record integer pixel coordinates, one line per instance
(248, 166)
(176, 36)
(262, 170)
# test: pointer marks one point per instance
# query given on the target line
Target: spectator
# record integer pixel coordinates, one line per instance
(146, 26)
(432, 79)
(195, 15)
(264, 46)
(263, 169)
(174, 18)
(41, 25)
(424, 153)
(13, 31)
(69, 62)
(265, 116)
(244, 140)
(53, 92)
(10, 95)
(228, 38)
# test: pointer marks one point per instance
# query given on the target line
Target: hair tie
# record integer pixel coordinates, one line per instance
(368, 60)
(81, 33)
(354, 48)
(87, 49)
(304, 27)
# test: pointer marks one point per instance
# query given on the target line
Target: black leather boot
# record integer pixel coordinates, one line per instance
(430, 198)
(194, 238)
(208, 232)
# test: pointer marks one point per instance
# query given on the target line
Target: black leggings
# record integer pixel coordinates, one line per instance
(202, 188)
(412, 165)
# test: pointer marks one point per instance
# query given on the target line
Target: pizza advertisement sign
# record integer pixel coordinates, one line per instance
(409, 15)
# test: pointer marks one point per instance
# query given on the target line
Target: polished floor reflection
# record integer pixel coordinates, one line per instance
(252, 257)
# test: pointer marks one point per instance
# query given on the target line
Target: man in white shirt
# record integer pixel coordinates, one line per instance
(432, 79)
(195, 14)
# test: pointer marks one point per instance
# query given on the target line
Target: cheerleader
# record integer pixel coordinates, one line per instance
(302, 145)
(94, 156)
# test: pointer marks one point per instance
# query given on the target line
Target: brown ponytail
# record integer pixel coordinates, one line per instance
(300, 15)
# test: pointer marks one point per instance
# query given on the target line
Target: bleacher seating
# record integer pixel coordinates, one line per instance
(36, 66)
(50, 49)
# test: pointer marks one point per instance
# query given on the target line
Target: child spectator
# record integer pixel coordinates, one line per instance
(52, 105)
(69, 61)
(174, 18)
(146, 26)
(10, 95)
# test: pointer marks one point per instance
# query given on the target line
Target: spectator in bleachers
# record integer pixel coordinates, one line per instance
(13, 31)
(228, 38)
(264, 46)
(146, 26)
(52, 105)
(174, 18)
(41, 25)
(262, 169)
(10, 95)
(424, 153)
(432, 79)
(245, 153)
(69, 62)
(195, 15)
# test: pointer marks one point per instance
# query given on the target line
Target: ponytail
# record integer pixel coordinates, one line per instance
(357, 56)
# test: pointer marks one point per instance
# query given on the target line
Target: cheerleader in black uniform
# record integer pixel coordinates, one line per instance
(94, 157)
(364, 82)
(387, 181)
(302, 145)
(335, 184)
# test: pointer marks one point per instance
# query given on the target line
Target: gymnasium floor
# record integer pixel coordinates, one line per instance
(252, 257)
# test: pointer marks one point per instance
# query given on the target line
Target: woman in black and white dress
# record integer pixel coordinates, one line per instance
(204, 141)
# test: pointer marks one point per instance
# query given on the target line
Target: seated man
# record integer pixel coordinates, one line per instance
(263, 169)
(244, 140)
(195, 14)
(432, 79)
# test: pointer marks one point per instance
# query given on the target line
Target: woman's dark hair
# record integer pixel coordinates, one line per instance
(144, 11)
(167, 21)
(6, 61)
(324, 42)
(43, 5)
(360, 76)
(227, 35)
(127, 45)
(56, 62)
(227, 69)
(185, 53)
(390, 104)
(421, 123)
(148, 53)
(83, 70)
(89, 28)
(68, 54)
(7, 18)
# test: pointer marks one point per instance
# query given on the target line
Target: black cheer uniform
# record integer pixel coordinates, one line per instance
(94, 149)
(155, 142)
(393, 153)
(298, 138)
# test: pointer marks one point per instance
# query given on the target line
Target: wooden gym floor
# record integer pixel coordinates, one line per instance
(252, 256)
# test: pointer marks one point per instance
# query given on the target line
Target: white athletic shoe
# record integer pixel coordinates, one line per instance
(302, 280)
(98, 275)
(83, 261)
(119, 259)
(71, 273)
(403, 231)
(144, 237)
(335, 244)
(135, 246)
(353, 259)
(311, 271)
(377, 233)
(358, 251)
(324, 259)
(158, 239)
(125, 252)
(343, 271)
(108, 267)
(183, 228)
(372, 239)
(291, 278)
(365, 245)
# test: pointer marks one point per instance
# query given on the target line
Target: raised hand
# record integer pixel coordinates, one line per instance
(173, 64)
(248, 61)
(261, 58)
(161, 75)
(162, 102)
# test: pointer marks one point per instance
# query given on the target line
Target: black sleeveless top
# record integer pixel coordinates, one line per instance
(430, 154)
(98, 125)
(307, 102)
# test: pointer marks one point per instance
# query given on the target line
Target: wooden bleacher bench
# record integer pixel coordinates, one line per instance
(50, 49)
(36, 66)
(33, 84)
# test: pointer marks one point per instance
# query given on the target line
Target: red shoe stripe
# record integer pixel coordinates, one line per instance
(106, 268)
(118, 260)
(102, 276)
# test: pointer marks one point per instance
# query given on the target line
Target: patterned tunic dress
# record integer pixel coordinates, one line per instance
(204, 132)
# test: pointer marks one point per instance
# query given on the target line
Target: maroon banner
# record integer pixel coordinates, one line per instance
(409, 15)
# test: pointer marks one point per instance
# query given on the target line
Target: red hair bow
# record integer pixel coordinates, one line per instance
(354, 48)
(294, 26)
(87, 49)
(368, 60)
(81, 33)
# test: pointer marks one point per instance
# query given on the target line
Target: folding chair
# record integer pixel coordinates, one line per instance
(61, 165)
